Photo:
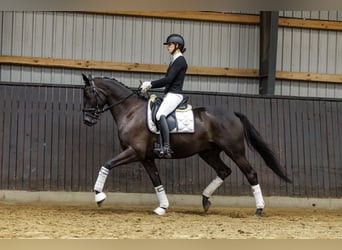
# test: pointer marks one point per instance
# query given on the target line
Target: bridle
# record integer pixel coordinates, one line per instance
(93, 114)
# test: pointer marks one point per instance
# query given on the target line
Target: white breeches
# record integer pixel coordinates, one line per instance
(169, 104)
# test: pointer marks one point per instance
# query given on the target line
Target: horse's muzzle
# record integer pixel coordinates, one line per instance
(90, 119)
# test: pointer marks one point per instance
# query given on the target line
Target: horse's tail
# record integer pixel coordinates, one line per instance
(254, 140)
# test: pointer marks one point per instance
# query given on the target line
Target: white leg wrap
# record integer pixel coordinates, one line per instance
(210, 189)
(99, 197)
(159, 211)
(101, 179)
(163, 201)
(259, 201)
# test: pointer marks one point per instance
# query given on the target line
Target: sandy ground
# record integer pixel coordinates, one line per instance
(20, 221)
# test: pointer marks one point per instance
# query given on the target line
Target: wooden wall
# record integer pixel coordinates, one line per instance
(222, 49)
(44, 145)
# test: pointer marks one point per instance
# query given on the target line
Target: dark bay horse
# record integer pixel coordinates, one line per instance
(216, 130)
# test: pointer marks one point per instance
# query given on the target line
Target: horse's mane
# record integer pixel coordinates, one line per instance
(112, 80)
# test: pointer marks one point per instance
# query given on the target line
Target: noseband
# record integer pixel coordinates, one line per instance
(94, 113)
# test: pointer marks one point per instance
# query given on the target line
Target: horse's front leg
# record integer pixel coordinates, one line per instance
(127, 156)
(152, 171)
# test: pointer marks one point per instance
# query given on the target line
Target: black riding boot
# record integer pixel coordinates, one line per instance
(164, 130)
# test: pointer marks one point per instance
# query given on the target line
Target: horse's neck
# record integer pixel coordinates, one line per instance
(116, 92)
(124, 103)
(126, 111)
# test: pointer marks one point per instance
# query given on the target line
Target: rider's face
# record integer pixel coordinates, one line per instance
(170, 47)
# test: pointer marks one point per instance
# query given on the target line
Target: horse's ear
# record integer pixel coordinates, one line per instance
(85, 79)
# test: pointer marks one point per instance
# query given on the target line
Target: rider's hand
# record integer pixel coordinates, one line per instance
(145, 86)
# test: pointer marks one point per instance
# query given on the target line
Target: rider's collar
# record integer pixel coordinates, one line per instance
(176, 55)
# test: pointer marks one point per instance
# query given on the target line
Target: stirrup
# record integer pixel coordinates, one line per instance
(167, 151)
(157, 149)
(161, 152)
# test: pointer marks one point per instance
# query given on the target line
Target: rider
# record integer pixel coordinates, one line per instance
(173, 83)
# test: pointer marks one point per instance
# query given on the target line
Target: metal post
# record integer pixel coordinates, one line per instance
(268, 51)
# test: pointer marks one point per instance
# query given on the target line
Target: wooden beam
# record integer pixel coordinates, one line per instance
(82, 64)
(217, 71)
(157, 68)
(229, 18)
(122, 66)
(310, 24)
(190, 15)
(307, 76)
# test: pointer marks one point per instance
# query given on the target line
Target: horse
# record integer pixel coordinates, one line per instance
(216, 131)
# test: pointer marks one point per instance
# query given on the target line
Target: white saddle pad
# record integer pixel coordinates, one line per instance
(185, 120)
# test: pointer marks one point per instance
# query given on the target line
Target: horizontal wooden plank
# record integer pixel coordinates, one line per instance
(81, 64)
(122, 66)
(310, 24)
(230, 18)
(306, 76)
(216, 71)
(190, 15)
(158, 68)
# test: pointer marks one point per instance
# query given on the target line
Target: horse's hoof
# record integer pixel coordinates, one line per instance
(205, 203)
(258, 212)
(159, 211)
(99, 198)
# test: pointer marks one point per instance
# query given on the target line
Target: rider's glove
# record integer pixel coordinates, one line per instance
(145, 86)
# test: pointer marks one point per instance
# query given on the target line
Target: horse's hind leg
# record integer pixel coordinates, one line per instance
(252, 178)
(212, 157)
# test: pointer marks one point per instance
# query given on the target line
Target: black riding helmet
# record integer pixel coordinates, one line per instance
(176, 39)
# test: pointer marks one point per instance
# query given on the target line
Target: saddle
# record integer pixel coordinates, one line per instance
(179, 121)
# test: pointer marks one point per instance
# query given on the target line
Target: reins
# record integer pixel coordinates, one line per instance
(115, 104)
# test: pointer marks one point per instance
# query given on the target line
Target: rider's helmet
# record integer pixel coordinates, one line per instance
(176, 39)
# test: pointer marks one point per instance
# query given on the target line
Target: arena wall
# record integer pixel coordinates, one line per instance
(44, 145)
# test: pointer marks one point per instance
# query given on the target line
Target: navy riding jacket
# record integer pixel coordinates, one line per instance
(174, 77)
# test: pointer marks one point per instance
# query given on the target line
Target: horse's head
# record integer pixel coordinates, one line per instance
(93, 101)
